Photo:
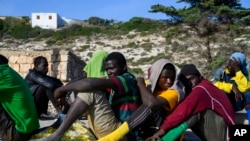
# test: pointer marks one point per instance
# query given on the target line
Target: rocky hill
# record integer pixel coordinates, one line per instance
(140, 50)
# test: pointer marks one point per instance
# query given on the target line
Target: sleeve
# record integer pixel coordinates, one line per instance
(241, 81)
(171, 96)
(188, 107)
(226, 87)
(121, 84)
(176, 132)
(46, 81)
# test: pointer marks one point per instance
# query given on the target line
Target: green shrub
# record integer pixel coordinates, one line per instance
(217, 62)
(171, 32)
(147, 46)
(45, 33)
(20, 31)
(50, 42)
(137, 71)
(83, 48)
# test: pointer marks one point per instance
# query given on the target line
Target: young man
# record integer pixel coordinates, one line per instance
(123, 95)
(206, 110)
(43, 86)
(18, 115)
(166, 91)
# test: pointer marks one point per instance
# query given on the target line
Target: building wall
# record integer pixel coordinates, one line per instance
(46, 20)
(63, 64)
(2, 17)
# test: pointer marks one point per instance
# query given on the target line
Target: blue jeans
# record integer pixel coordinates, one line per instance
(242, 103)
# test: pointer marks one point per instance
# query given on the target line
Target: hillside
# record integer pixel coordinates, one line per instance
(141, 50)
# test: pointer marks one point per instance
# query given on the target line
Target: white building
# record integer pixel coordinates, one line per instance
(47, 20)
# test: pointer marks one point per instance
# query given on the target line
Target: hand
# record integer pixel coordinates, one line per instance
(237, 93)
(156, 136)
(140, 81)
(58, 92)
(62, 101)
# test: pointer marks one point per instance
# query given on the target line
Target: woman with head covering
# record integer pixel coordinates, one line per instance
(167, 90)
(235, 82)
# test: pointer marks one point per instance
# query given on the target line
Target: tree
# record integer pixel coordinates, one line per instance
(3, 27)
(208, 17)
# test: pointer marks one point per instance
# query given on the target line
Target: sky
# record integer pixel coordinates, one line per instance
(120, 10)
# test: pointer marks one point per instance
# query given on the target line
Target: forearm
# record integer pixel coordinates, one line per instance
(85, 85)
(76, 79)
(81, 85)
(46, 81)
(147, 97)
(226, 87)
(176, 132)
(186, 109)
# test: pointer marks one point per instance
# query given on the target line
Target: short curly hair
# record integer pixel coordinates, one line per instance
(118, 57)
(38, 60)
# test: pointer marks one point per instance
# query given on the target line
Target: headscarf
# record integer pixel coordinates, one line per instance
(155, 72)
(95, 66)
(243, 61)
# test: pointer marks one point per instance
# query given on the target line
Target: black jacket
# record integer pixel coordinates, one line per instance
(36, 79)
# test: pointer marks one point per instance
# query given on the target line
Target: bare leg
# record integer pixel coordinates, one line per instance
(75, 111)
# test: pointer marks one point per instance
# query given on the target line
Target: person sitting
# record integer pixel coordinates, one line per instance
(18, 115)
(105, 115)
(206, 110)
(43, 86)
(166, 91)
(94, 68)
(234, 81)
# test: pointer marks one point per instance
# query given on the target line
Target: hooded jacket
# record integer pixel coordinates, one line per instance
(204, 96)
(155, 72)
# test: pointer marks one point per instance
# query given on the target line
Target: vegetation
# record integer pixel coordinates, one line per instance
(207, 18)
(202, 23)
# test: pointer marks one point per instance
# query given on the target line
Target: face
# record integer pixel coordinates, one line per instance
(194, 79)
(166, 79)
(43, 67)
(229, 66)
(112, 68)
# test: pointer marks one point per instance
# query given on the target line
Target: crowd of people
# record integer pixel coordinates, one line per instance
(120, 106)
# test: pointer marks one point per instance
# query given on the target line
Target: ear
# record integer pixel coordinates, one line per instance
(124, 68)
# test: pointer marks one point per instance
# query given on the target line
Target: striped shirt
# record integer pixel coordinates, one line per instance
(126, 98)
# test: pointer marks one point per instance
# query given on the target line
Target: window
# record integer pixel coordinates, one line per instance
(37, 17)
(50, 17)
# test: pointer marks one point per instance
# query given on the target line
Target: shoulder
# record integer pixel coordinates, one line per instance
(167, 93)
(126, 77)
(204, 86)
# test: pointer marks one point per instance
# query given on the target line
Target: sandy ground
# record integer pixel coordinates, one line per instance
(189, 135)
